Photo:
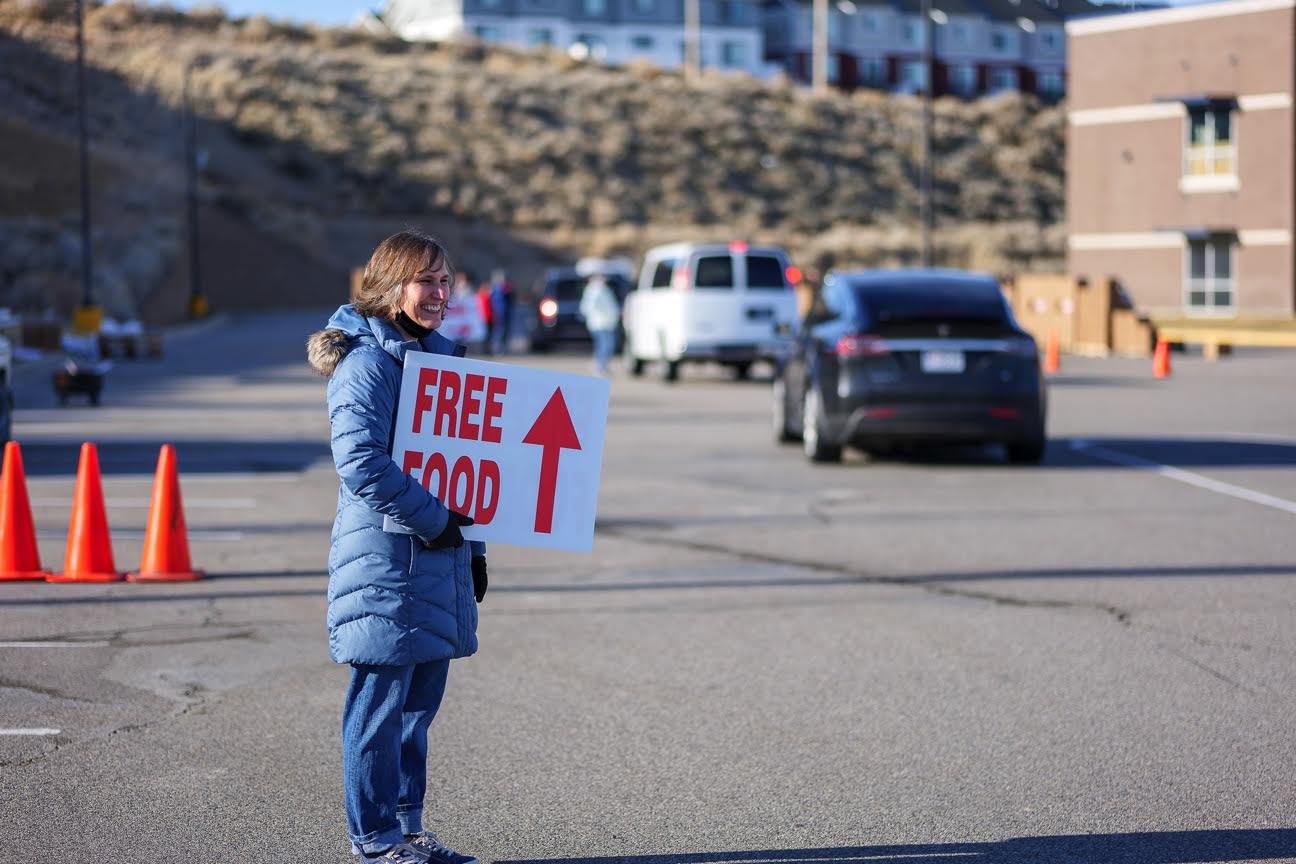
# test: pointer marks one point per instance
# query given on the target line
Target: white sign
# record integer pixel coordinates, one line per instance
(517, 449)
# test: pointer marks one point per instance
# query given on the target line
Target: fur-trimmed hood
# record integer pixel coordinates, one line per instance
(325, 350)
(347, 328)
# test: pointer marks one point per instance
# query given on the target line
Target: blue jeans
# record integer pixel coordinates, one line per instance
(384, 750)
(604, 345)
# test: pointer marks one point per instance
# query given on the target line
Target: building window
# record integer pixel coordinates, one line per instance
(1002, 78)
(733, 55)
(1210, 149)
(645, 7)
(1209, 286)
(593, 7)
(998, 41)
(913, 76)
(959, 33)
(1050, 85)
(834, 67)
(641, 43)
(911, 33)
(1048, 39)
(487, 33)
(869, 23)
(963, 79)
(872, 71)
(730, 13)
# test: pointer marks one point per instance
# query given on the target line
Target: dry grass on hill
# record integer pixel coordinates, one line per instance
(309, 126)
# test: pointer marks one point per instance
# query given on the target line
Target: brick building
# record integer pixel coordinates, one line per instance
(1181, 159)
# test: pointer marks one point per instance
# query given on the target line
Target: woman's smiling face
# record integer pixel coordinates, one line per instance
(424, 296)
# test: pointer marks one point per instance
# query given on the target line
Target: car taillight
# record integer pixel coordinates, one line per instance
(862, 345)
(792, 275)
(548, 309)
(680, 282)
(738, 247)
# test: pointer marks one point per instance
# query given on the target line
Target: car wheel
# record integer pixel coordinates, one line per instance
(812, 438)
(1026, 452)
(6, 420)
(742, 370)
(670, 370)
(783, 434)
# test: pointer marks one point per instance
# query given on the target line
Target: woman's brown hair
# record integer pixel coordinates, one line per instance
(391, 265)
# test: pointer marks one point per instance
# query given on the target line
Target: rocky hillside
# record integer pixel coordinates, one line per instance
(318, 141)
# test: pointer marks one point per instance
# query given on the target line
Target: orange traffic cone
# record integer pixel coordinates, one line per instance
(1161, 360)
(19, 557)
(1052, 359)
(89, 549)
(166, 542)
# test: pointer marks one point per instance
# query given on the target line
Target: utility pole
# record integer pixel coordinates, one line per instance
(197, 301)
(88, 317)
(819, 48)
(925, 214)
(692, 37)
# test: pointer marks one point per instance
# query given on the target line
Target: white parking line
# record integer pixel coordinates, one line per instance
(30, 731)
(53, 644)
(1198, 480)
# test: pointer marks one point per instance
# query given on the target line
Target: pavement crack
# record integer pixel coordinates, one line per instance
(862, 577)
(1209, 670)
(10, 684)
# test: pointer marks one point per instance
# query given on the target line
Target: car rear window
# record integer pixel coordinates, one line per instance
(714, 271)
(568, 289)
(967, 301)
(764, 272)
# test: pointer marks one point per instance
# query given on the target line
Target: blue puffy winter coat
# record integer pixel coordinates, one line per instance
(391, 600)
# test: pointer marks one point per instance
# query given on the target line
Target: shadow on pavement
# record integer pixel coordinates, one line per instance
(191, 591)
(1167, 847)
(1137, 453)
(44, 458)
(1102, 381)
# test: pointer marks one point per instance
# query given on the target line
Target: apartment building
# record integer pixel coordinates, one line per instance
(1181, 163)
(610, 31)
(980, 47)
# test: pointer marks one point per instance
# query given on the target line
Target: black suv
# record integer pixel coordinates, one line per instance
(557, 309)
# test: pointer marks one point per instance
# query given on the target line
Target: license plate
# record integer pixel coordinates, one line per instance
(759, 313)
(942, 362)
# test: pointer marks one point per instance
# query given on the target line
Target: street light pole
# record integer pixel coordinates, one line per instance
(925, 175)
(819, 48)
(88, 318)
(197, 301)
(692, 35)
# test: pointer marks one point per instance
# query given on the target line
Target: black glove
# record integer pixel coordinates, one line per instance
(450, 537)
(479, 576)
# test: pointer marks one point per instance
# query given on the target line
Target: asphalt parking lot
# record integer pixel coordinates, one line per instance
(938, 658)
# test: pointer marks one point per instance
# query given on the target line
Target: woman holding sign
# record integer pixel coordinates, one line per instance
(401, 605)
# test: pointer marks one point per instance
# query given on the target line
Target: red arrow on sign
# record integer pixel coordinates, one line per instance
(553, 432)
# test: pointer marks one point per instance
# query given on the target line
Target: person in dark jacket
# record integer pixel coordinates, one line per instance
(401, 605)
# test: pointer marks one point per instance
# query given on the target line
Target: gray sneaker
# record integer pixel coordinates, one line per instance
(402, 853)
(430, 848)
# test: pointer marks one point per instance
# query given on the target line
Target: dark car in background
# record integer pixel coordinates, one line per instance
(558, 319)
(900, 358)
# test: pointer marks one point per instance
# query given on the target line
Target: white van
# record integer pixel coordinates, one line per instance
(731, 304)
